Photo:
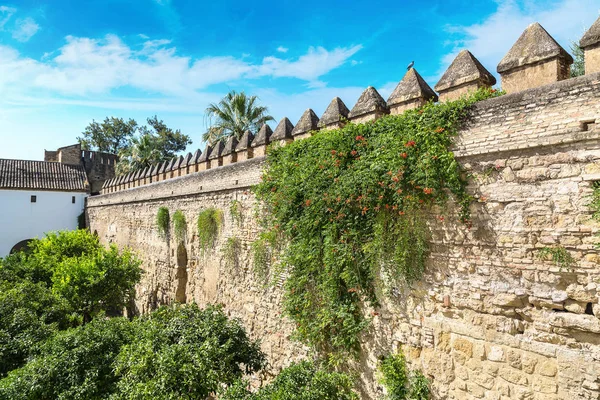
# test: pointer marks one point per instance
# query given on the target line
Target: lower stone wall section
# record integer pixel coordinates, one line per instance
(489, 320)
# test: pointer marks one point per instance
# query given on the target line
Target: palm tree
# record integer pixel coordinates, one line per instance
(233, 115)
(142, 153)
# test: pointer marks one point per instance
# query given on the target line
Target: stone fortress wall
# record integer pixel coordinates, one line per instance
(490, 319)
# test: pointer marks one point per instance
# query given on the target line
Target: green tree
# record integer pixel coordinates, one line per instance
(578, 67)
(99, 282)
(74, 364)
(110, 136)
(155, 143)
(233, 115)
(302, 381)
(29, 314)
(184, 352)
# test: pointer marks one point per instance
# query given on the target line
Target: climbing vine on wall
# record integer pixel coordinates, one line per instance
(162, 221)
(209, 224)
(400, 382)
(179, 225)
(351, 205)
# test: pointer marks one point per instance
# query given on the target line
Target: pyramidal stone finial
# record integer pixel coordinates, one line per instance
(308, 122)
(333, 115)
(216, 151)
(204, 156)
(590, 43)
(283, 131)
(534, 60)
(196, 157)
(186, 160)
(464, 75)
(261, 140)
(230, 145)
(411, 92)
(244, 147)
(245, 141)
(229, 154)
(369, 106)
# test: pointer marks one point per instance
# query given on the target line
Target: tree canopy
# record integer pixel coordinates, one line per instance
(138, 146)
(233, 115)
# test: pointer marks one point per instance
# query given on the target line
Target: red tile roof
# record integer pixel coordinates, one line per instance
(42, 175)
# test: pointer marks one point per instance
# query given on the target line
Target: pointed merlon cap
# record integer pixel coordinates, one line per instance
(283, 131)
(177, 163)
(121, 179)
(195, 158)
(216, 151)
(411, 87)
(370, 101)
(464, 69)
(128, 177)
(204, 156)
(230, 146)
(154, 169)
(592, 36)
(170, 165)
(334, 112)
(308, 122)
(263, 137)
(186, 160)
(534, 45)
(245, 142)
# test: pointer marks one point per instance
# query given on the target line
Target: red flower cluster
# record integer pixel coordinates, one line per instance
(333, 152)
(354, 152)
(308, 202)
(359, 138)
(403, 155)
(427, 190)
(410, 143)
(439, 129)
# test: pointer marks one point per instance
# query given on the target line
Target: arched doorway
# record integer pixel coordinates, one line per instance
(23, 245)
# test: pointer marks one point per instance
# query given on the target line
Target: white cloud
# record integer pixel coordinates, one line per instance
(309, 67)
(24, 29)
(85, 66)
(5, 14)
(489, 41)
(282, 49)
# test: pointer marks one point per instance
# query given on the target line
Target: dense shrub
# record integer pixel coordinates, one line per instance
(302, 381)
(352, 203)
(400, 383)
(184, 352)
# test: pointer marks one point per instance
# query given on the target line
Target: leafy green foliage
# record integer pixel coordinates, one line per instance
(233, 115)
(399, 382)
(559, 255)
(62, 281)
(162, 221)
(179, 225)
(110, 136)
(235, 210)
(183, 352)
(351, 202)
(104, 281)
(231, 251)
(74, 364)
(29, 313)
(301, 381)
(155, 143)
(176, 352)
(578, 66)
(209, 224)
(264, 250)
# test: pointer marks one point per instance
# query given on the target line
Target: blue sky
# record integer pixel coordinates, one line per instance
(66, 62)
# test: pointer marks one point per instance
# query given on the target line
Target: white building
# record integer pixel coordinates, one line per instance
(38, 197)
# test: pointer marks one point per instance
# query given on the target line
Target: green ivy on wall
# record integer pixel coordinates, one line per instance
(179, 225)
(209, 224)
(162, 221)
(351, 205)
(400, 383)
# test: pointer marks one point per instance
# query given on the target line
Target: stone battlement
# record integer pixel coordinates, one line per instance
(491, 317)
(535, 61)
